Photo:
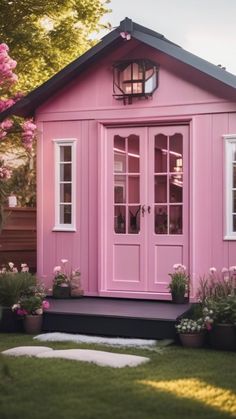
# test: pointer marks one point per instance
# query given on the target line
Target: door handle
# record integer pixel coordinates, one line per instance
(143, 210)
(149, 209)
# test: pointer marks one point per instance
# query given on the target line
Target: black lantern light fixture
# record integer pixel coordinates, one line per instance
(134, 78)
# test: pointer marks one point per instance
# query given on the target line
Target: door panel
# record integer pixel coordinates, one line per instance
(168, 202)
(126, 194)
(147, 206)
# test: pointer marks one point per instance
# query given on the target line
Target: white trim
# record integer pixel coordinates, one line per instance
(229, 234)
(57, 143)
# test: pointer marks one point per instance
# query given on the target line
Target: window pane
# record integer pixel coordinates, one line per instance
(176, 153)
(119, 219)
(134, 189)
(160, 189)
(234, 201)
(161, 219)
(65, 172)
(133, 154)
(65, 192)
(160, 154)
(234, 175)
(120, 189)
(234, 223)
(176, 188)
(134, 219)
(119, 154)
(65, 153)
(65, 214)
(175, 226)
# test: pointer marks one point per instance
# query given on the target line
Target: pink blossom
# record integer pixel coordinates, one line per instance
(46, 304)
(232, 269)
(224, 270)
(212, 270)
(64, 261)
(7, 124)
(4, 47)
(2, 134)
(21, 312)
(57, 269)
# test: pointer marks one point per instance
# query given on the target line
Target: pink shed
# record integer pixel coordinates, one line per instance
(129, 187)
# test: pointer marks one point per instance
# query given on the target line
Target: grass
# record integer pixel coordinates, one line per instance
(176, 383)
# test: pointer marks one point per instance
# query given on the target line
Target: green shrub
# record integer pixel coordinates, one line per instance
(12, 285)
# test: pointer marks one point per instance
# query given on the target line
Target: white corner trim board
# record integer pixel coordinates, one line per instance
(101, 358)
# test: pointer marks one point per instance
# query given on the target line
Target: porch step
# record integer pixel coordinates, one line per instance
(114, 317)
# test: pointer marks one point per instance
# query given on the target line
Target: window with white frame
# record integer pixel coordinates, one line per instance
(230, 186)
(65, 184)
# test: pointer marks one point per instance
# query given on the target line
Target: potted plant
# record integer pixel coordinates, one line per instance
(179, 284)
(30, 308)
(66, 284)
(217, 295)
(12, 284)
(61, 281)
(191, 332)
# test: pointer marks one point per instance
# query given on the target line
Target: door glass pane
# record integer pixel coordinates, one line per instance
(119, 154)
(134, 219)
(133, 154)
(176, 188)
(234, 175)
(119, 219)
(120, 189)
(176, 153)
(65, 172)
(175, 226)
(65, 192)
(134, 189)
(160, 154)
(160, 186)
(161, 219)
(65, 153)
(65, 214)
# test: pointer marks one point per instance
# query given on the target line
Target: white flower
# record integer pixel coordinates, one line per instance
(212, 270)
(57, 269)
(224, 270)
(64, 261)
(232, 269)
(39, 311)
(11, 264)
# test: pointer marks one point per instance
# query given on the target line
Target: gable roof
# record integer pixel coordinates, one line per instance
(27, 106)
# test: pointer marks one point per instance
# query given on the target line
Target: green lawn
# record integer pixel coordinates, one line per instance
(176, 383)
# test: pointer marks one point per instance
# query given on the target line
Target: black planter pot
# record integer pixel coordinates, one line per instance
(10, 322)
(178, 298)
(61, 292)
(223, 336)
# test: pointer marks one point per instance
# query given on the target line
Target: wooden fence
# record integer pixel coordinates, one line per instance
(18, 237)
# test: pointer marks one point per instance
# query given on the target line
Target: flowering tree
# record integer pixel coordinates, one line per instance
(15, 133)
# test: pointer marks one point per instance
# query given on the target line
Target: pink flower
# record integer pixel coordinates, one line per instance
(7, 124)
(4, 47)
(212, 270)
(232, 269)
(21, 312)
(46, 305)
(64, 261)
(57, 269)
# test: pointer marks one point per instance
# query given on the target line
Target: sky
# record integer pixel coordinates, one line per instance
(206, 28)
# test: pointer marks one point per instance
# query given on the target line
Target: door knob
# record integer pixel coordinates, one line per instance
(143, 210)
(149, 209)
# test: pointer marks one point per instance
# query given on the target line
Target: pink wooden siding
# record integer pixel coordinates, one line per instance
(82, 109)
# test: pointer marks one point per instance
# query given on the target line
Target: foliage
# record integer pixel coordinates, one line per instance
(12, 285)
(61, 276)
(23, 182)
(31, 301)
(117, 393)
(179, 280)
(45, 36)
(217, 295)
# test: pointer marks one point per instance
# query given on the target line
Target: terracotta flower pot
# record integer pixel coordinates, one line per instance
(33, 324)
(192, 340)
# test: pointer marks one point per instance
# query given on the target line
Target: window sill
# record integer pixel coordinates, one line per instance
(64, 229)
(229, 237)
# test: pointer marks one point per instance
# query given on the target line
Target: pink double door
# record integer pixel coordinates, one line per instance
(146, 201)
